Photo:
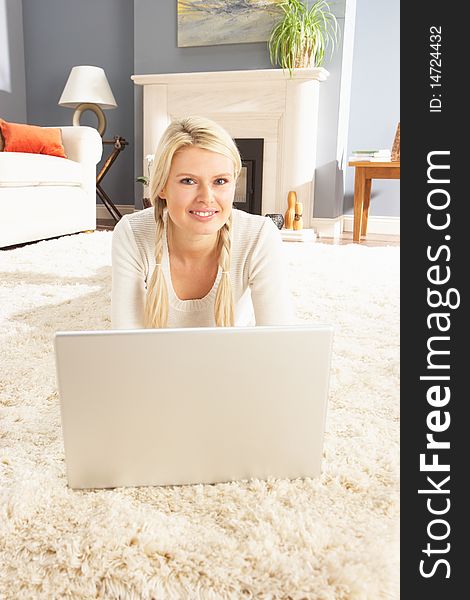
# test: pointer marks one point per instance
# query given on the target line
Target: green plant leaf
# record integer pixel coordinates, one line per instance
(302, 35)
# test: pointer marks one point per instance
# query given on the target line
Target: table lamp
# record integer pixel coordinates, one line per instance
(88, 89)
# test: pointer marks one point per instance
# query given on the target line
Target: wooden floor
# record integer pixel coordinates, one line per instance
(345, 238)
(105, 224)
(372, 239)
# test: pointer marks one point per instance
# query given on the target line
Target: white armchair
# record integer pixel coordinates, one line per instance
(45, 196)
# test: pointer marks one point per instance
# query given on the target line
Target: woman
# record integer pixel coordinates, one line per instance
(192, 260)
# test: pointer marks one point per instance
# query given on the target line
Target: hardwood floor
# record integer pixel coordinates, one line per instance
(345, 238)
(372, 239)
(105, 224)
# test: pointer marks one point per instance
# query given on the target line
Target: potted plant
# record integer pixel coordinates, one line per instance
(302, 35)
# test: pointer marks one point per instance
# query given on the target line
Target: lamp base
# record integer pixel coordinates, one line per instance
(95, 109)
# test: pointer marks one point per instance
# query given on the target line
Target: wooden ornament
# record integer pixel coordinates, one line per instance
(290, 212)
(396, 145)
(298, 220)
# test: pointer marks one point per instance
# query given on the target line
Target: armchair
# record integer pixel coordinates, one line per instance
(44, 196)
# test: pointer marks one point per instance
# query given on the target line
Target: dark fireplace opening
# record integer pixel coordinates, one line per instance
(248, 191)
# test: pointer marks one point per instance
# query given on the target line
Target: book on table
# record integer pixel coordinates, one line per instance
(383, 155)
(370, 159)
(381, 152)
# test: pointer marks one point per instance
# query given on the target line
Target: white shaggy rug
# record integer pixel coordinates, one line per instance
(334, 538)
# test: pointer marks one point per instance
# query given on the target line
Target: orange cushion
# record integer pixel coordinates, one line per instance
(32, 139)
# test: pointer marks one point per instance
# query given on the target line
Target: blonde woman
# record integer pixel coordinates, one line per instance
(192, 260)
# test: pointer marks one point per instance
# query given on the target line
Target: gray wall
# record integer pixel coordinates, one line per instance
(375, 96)
(12, 100)
(60, 34)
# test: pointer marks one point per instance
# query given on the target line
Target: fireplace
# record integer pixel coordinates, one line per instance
(264, 104)
(249, 189)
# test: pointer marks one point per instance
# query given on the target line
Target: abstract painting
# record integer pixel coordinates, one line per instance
(213, 22)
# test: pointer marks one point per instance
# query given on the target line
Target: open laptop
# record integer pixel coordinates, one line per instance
(192, 405)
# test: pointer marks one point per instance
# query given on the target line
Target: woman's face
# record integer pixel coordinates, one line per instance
(199, 191)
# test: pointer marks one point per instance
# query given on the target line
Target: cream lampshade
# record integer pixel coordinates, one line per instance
(88, 89)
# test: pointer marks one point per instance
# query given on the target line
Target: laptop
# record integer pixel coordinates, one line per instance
(192, 405)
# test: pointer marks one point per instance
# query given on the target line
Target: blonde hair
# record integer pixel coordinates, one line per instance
(208, 135)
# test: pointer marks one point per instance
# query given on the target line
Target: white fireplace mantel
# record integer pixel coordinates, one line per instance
(264, 103)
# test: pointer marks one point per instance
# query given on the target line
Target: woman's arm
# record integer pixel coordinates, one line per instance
(128, 280)
(268, 281)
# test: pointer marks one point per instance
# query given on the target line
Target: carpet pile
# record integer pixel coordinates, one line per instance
(333, 538)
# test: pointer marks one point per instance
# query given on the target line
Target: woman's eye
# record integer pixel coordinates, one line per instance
(187, 180)
(221, 181)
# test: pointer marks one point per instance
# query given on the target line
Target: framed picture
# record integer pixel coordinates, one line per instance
(214, 22)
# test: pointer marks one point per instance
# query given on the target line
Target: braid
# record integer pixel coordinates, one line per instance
(224, 300)
(156, 304)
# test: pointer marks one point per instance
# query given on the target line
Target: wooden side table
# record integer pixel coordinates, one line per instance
(365, 172)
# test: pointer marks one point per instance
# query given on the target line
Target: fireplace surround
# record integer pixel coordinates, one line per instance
(262, 103)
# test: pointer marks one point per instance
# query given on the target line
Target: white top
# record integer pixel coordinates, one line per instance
(258, 274)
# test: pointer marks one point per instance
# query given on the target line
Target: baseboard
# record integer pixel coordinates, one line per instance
(381, 225)
(301, 235)
(124, 209)
(335, 226)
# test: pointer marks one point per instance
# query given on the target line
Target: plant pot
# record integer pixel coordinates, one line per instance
(304, 60)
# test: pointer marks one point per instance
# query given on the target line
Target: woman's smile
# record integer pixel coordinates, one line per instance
(203, 215)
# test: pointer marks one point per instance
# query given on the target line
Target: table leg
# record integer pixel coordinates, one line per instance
(106, 200)
(119, 144)
(359, 190)
(365, 207)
